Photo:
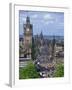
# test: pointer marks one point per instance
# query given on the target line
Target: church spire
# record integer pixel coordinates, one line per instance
(41, 35)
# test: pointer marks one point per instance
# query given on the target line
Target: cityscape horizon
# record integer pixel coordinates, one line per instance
(41, 44)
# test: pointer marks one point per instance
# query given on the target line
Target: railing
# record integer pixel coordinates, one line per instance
(23, 62)
(24, 59)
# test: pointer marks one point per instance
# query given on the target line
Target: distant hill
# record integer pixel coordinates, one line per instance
(51, 37)
(48, 37)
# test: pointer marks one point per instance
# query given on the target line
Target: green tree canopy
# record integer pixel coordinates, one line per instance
(28, 72)
(59, 72)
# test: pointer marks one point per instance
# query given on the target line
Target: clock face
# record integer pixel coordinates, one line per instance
(27, 29)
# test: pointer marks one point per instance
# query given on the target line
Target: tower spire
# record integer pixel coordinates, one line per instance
(28, 20)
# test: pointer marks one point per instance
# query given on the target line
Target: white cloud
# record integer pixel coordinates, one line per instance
(22, 15)
(56, 20)
(49, 22)
(34, 16)
(61, 24)
(23, 19)
(48, 17)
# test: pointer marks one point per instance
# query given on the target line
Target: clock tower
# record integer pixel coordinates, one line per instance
(27, 38)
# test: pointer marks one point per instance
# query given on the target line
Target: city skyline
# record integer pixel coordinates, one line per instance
(49, 23)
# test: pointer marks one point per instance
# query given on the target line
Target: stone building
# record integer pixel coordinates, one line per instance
(28, 32)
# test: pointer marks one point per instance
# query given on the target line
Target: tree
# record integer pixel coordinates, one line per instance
(33, 49)
(28, 72)
(59, 72)
(53, 46)
(20, 50)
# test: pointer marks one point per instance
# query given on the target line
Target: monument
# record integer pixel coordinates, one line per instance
(27, 38)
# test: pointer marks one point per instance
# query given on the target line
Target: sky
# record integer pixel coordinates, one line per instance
(49, 23)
